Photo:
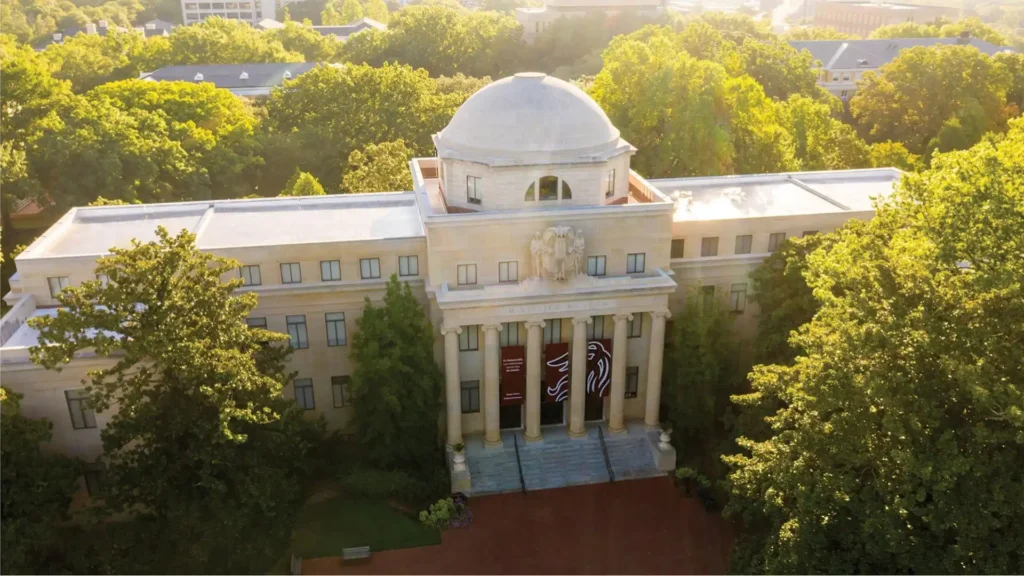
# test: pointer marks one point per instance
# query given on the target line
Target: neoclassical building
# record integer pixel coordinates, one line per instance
(549, 270)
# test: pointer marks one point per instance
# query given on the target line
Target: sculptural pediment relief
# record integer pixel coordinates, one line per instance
(558, 253)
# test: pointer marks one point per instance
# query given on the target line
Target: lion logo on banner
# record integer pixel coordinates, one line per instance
(599, 376)
(560, 391)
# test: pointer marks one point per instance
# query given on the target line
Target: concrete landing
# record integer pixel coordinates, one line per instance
(559, 461)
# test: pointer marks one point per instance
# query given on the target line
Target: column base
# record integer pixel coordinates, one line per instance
(577, 433)
(617, 430)
(493, 443)
(534, 439)
(652, 426)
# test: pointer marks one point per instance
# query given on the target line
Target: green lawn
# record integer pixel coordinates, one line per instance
(325, 527)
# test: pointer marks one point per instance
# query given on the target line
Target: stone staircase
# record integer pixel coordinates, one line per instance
(558, 460)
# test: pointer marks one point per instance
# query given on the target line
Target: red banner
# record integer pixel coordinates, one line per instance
(599, 367)
(513, 375)
(556, 372)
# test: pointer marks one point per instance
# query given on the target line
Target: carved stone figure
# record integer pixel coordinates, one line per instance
(561, 253)
(537, 251)
(579, 254)
(558, 253)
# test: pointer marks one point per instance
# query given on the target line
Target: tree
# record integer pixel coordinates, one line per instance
(815, 33)
(894, 155)
(820, 141)
(780, 69)
(929, 98)
(36, 489)
(88, 60)
(377, 10)
(302, 184)
(329, 15)
(215, 41)
(971, 26)
(759, 143)
(896, 447)
(906, 30)
(350, 11)
(314, 46)
(1013, 63)
(380, 167)
(396, 385)
(202, 447)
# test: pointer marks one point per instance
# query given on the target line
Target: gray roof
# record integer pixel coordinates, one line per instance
(230, 75)
(351, 28)
(872, 54)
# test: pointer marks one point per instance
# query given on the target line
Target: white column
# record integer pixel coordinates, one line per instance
(578, 389)
(657, 353)
(618, 394)
(452, 384)
(492, 435)
(533, 373)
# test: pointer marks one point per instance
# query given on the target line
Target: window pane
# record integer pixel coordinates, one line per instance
(259, 322)
(635, 326)
(297, 331)
(414, 265)
(375, 267)
(341, 390)
(774, 240)
(330, 270)
(470, 396)
(677, 248)
(632, 381)
(709, 247)
(304, 393)
(743, 243)
(566, 191)
(738, 297)
(549, 188)
(610, 184)
(104, 280)
(531, 192)
(634, 263)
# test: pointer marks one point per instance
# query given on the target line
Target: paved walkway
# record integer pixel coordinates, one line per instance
(630, 527)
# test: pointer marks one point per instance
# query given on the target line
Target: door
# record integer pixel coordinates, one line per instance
(510, 416)
(593, 408)
(552, 413)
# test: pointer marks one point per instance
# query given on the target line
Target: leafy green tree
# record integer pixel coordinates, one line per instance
(37, 486)
(927, 98)
(350, 11)
(215, 41)
(780, 69)
(88, 60)
(759, 143)
(896, 445)
(894, 155)
(325, 114)
(570, 47)
(820, 141)
(380, 167)
(1013, 63)
(815, 33)
(314, 46)
(377, 10)
(906, 30)
(973, 26)
(302, 184)
(202, 447)
(329, 16)
(396, 385)
(460, 85)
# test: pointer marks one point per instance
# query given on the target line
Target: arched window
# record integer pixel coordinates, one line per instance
(547, 189)
(531, 192)
(566, 191)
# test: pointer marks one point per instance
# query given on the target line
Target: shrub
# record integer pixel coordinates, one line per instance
(439, 515)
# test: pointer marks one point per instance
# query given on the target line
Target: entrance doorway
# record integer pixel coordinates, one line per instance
(552, 413)
(593, 408)
(510, 416)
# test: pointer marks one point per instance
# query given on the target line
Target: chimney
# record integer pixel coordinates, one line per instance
(103, 24)
(57, 36)
(150, 25)
(244, 75)
(90, 28)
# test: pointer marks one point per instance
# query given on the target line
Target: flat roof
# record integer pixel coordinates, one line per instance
(220, 224)
(784, 194)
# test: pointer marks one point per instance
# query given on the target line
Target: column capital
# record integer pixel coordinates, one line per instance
(583, 320)
(494, 327)
(661, 314)
(535, 324)
(622, 317)
(445, 330)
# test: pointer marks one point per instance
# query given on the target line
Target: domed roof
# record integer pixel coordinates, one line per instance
(530, 118)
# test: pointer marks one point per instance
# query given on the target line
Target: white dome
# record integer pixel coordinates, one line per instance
(530, 118)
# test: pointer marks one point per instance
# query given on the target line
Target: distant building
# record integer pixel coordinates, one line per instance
(251, 11)
(861, 17)
(841, 63)
(536, 18)
(250, 80)
(268, 24)
(100, 28)
(155, 28)
(344, 31)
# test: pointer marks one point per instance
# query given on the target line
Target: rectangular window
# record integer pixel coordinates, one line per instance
(250, 275)
(336, 335)
(470, 396)
(774, 240)
(708, 247)
(509, 335)
(595, 330)
(369, 268)
(57, 284)
(508, 271)
(473, 190)
(609, 190)
(738, 297)
(340, 387)
(553, 331)
(330, 270)
(809, 233)
(677, 248)
(707, 297)
(297, 331)
(258, 322)
(467, 274)
(634, 327)
(291, 273)
(78, 405)
(469, 339)
(596, 265)
(635, 263)
(632, 381)
(104, 280)
(304, 393)
(743, 243)
(408, 265)
(94, 476)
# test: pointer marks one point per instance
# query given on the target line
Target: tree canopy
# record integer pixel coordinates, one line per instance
(970, 26)
(379, 168)
(302, 184)
(896, 443)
